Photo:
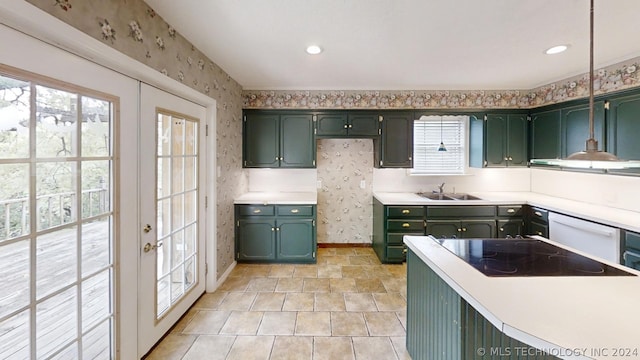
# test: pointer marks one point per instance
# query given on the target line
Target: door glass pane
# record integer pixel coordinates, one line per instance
(15, 337)
(56, 193)
(96, 306)
(56, 123)
(14, 201)
(96, 127)
(56, 322)
(95, 188)
(95, 344)
(177, 205)
(15, 274)
(56, 260)
(96, 245)
(14, 118)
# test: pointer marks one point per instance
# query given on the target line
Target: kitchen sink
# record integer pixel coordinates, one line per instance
(448, 196)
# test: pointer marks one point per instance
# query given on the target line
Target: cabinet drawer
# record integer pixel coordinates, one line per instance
(536, 228)
(540, 215)
(460, 211)
(405, 211)
(632, 240)
(405, 225)
(295, 210)
(510, 210)
(256, 210)
(396, 253)
(397, 239)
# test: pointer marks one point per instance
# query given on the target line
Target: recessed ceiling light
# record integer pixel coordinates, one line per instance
(556, 49)
(314, 49)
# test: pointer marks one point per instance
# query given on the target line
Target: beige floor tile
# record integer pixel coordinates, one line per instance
(242, 323)
(172, 347)
(343, 285)
(370, 286)
(394, 284)
(377, 272)
(400, 346)
(210, 347)
(239, 301)
(298, 302)
(289, 284)
(258, 271)
(210, 301)
(330, 271)
(305, 271)
(316, 285)
(354, 271)
(362, 260)
(281, 271)
(390, 302)
(329, 302)
(207, 322)
(348, 324)
(251, 348)
(397, 270)
(345, 251)
(383, 324)
(364, 251)
(402, 316)
(313, 323)
(359, 302)
(292, 348)
(333, 348)
(322, 251)
(262, 284)
(336, 260)
(184, 321)
(235, 284)
(278, 323)
(373, 348)
(266, 301)
(238, 271)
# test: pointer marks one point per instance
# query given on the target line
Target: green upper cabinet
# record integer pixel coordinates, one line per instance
(353, 124)
(394, 149)
(624, 127)
(545, 134)
(575, 127)
(272, 140)
(505, 140)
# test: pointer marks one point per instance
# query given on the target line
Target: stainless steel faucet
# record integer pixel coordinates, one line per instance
(441, 188)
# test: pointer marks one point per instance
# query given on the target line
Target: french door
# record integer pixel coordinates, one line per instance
(172, 190)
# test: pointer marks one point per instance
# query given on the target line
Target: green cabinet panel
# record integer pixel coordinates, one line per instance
(256, 210)
(510, 227)
(256, 239)
(274, 140)
(545, 134)
(575, 127)
(394, 149)
(261, 140)
(457, 211)
(352, 124)
(295, 210)
(511, 210)
(624, 127)
(390, 225)
(444, 229)
(478, 229)
(506, 140)
(293, 242)
(537, 221)
(631, 254)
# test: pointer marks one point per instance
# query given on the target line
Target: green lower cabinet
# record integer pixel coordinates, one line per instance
(256, 239)
(461, 228)
(510, 228)
(276, 233)
(443, 229)
(294, 244)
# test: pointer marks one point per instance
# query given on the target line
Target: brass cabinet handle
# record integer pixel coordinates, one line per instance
(464, 229)
(406, 211)
(406, 225)
(459, 230)
(404, 251)
(510, 158)
(257, 211)
(506, 159)
(501, 229)
(538, 213)
(295, 211)
(539, 233)
(511, 211)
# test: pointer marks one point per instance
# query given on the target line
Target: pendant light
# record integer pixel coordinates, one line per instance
(441, 147)
(591, 158)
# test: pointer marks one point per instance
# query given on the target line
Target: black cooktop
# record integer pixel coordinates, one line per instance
(526, 257)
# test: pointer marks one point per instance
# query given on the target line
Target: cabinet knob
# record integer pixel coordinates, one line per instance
(506, 159)
(404, 251)
(406, 225)
(406, 211)
(501, 229)
(350, 126)
(346, 126)
(510, 158)
(539, 233)
(273, 229)
(459, 230)
(464, 229)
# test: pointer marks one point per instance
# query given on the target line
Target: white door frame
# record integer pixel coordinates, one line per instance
(34, 22)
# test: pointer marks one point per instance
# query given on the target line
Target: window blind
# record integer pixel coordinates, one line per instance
(427, 134)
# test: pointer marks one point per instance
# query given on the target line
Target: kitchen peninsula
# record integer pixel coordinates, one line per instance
(455, 311)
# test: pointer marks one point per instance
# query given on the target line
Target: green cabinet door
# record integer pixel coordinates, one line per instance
(510, 227)
(256, 239)
(443, 229)
(545, 135)
(624, 127)
(294, 240)
(261, 141)
(575, 127)
(297, 142)
(331, 124)
(481, 229)
(496, 140)
(363, 124)
(395, 146)
(517, 139)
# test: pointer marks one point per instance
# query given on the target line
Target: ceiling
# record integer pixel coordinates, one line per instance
(404, 44)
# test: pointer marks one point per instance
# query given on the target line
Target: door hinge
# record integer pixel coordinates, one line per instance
(238, 223)
(606, 105)
(315, 131)
(528, 117)
(314, 254)
(314, 117)
(245, 163)
(313, 223)
(485, 117)
(486, 163)
(314, 163)
(206, 130)
(380, 118)
(380, 162)
(379, 131)
(245, 118)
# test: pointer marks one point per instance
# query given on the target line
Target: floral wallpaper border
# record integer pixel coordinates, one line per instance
(617, 77)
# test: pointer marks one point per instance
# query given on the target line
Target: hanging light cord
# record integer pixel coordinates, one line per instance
(591, 120)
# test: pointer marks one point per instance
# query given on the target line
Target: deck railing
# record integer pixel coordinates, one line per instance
(53, 210)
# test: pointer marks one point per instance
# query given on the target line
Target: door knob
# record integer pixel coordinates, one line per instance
(148, 247)
(146, 228)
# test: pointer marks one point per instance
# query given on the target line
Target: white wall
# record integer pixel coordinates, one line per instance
(282, 180)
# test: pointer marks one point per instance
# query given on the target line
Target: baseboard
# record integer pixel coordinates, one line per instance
(344, 245)
(225, 275)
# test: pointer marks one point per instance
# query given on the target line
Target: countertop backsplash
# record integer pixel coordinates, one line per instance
(282, 180)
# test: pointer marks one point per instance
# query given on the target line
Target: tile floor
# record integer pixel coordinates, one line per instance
(347, 306)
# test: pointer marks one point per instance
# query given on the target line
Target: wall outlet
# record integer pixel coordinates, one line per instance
(363, 184)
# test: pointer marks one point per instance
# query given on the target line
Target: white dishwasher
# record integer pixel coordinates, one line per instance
(594, 239)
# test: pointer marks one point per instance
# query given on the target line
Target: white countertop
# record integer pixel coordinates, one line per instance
(555, 312)
(296, 198)
(624, 219)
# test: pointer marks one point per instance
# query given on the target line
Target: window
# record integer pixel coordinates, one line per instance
(428, 132)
